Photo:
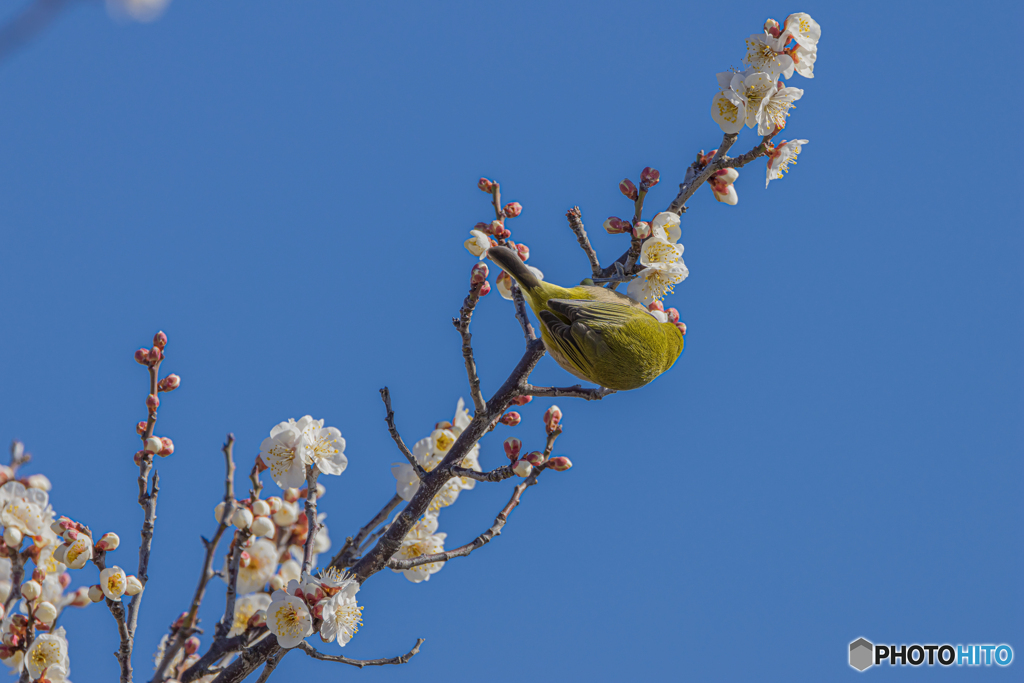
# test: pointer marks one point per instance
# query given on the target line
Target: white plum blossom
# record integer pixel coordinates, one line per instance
(752, 98)
(802, 62)
(421, 540)
(766, 52)
(291, 570)
(781, 157)
(721, 184)
(262, 565)
(113, 582)
(804, 30)
(278, 452)
(322, 447)
(342, 614)
(245, 607)
(26, 510)
(471, 462)
(288, 618)
(663, 269)
(774, 108)
(48, 654)
(666, 226)
(478, 244)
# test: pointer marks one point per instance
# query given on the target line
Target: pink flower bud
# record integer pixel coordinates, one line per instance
(497, 226)
(534, 458)
(180, 621)
(511, 418)
(153, 445)
(560, 464)
(140, 428)
(108, 541)
(682, 327)
(152, 401)
(521, 400)
(486, 185)
(485, 288)
(191, 646)
(167, 447)
(772, 27)
(275, 504)
(258, 619)
(485, 228)
(649, 177)
(503, 233)
(642, 230)
(80, 598)
(155, 355)
(673, 315)
(524, 251)
(245, 560)
(512, 448)
(478, 274)
(96, 593)
(169, 383)
(522, 468)
(39, 575)
(552, 418)
(655, 306)
(139, 457)
(142, 356)
(291, 495)
(615, 225)
(160, 339)
(512, 209)
(627, 188)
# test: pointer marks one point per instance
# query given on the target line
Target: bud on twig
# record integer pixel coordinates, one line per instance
(512, 209)
(552, 418)
(524, 252)
(191, 645)
(615, 225)
(478, 274)
(642, 230)
(166, 447)
(485, 288)
(534, 458)
(560, 464)
(108, 541)
(673, 315)
(169, 383)
(511, 418)
(486, 185)
(152, 402)
(627, 188)
(140, 428)
(142, 356)
(522, 468)
(153, 445)
(649, 177)
(160, 340)
(155, 355)
(512, 448)
(521, 400)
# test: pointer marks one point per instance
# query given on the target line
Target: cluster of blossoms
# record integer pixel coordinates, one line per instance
(326, 603)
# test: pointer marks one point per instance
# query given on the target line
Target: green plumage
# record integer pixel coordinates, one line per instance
(595, 333)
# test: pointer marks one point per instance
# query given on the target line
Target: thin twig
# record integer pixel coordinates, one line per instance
(116, 607)
(478, 542)
(575, 391)
(385, 396)
(188, 627)
(271, 665)
(520, 306)
(347, 554)
(462, 325)
(312, 652)
(313, 525)
(499, 474)
(234, 562)
(248, 660)
(576, 225)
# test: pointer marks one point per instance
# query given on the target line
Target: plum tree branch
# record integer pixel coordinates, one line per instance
(385, 396)
(360, 663)
(575, 391)
(575, 218)
(462, 325)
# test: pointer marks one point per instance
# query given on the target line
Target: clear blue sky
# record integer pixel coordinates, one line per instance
(284, 189)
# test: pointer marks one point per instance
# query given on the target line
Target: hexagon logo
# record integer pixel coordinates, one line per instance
(862, 654)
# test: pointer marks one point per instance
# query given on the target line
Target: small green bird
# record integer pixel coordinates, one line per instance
(595, 333)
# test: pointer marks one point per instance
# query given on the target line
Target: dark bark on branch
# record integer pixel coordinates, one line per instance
(462, 325)
(312, 652)
(499, 474)
(575, 391)
(576, 225)
(346, 556)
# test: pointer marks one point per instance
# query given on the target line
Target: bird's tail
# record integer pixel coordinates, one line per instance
(510, 262)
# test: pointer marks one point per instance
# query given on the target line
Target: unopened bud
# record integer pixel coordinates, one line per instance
(132, 586)
(242, 518)
(70, 535)
(12, 537)
(262, 526)
(627, 188)
(534, 458)
(167, 447)
(642, 230)
(38, 481)
(139, 457)
(64, 579)
(142, 356)
(486, 185)
(511, 418)
(726, 175)
(512, 209)
(655, 306)
(260, 508)
(485, 288)
(276, 582)
(682, 327)
(108, 541)
(140, 428)
(673, 315)
(512, 447)
(552, 417)
(521, 400)
(615, 225)
(191, 645)
(153, 444)
(45, 612)
(478, 274)
(30, 590)
(259, 617)
(772, 27)
(153, 402)
(560, 464)
(160, 340)
(291, 495)
(287, 515)
(155, 355)
(504, 284)
(522, 468)
(523, 251)
(649, 177)
(80, 598)
(275, 504)
(244, 560)
(38, 575)
(169, 383)
(485, 228)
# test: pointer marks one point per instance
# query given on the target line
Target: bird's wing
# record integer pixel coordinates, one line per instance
(596, 315)
(579, 344)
